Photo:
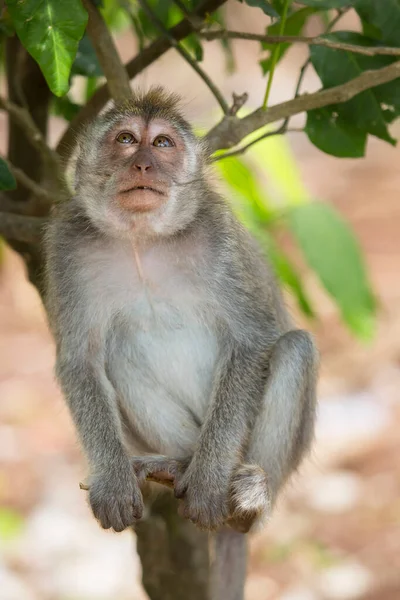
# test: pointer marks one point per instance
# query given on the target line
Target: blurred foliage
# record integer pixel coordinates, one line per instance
(7, 179)
(53, 32)
(11, 525)
(326, 242)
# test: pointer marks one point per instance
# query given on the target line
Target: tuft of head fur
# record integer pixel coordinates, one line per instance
(156, 103)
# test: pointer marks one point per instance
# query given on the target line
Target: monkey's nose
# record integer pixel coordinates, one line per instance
(142, 166)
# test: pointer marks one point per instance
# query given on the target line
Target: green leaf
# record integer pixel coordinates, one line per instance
(114, 14)
(293, 26)
(7, 179)
(50, 30)
(334, 67)
(64, 107)
(381, 15)
(332, 251)
(287, 273)
(11, 524)
(86, 62)
(329, 132)
(192, 43)
(240, 178)
(370, 30)
(6, 24)
(325, 4)
(265, 7)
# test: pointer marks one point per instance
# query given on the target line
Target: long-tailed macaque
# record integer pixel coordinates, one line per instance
(173, 340)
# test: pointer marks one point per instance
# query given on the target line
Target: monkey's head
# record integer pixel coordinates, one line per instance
(139, 167)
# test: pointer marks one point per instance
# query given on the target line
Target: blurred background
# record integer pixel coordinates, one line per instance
(336, 532)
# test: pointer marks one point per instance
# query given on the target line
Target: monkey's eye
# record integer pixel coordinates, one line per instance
(126, 138)
(162, 141)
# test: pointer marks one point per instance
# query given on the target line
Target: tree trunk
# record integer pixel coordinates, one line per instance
(174, 554)
(26, 86)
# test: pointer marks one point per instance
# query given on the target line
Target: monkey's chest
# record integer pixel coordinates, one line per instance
(162, 360)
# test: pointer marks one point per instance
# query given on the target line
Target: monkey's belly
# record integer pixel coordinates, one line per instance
(163, 378)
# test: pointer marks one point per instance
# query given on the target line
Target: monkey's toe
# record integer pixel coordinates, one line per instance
(250, 497)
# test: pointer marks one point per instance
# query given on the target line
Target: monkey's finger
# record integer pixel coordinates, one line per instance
(103, 519)
(122, 515)
(180, 490)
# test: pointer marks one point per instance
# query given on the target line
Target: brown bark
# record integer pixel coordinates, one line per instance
(174, 554)
(26, 87)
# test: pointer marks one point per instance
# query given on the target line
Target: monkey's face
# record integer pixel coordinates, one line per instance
(139, 176)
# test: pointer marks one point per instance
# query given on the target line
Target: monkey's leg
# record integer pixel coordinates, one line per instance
(228, 565)
(283, 431)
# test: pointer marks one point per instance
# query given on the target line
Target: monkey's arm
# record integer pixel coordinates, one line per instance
(80, 329)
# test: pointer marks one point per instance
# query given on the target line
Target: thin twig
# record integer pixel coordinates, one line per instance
(21, 228)
(231, 130)
(135, 66)
(239, 100)
(275, 53)
(279, 131)
(193, 63)
(107, 54)
(293, 39)
(340, 13)
(23, 118)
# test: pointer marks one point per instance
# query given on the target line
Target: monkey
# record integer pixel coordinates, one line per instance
(173, 341)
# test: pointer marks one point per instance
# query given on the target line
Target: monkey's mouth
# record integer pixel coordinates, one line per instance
(141, 198)
(140, 188)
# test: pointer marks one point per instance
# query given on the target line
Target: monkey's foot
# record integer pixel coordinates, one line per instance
(250, 499)
(156, 468)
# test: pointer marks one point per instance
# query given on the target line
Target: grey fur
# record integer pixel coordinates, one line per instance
(198, 362)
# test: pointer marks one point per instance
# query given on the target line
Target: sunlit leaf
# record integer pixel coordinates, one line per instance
(50, 30)
(332, 251)
(11, 524)
(287, 273)
(241, 179)
(274, 156)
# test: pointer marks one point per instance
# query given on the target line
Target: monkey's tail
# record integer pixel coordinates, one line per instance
(229, 563)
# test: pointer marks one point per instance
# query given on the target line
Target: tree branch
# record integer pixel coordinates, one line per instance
(279, 131)
(149, 55)
(231, 130)
(299, 39)
(27, 182)
(21, 228)
(186, 56)
(113, 69)
(23, 118)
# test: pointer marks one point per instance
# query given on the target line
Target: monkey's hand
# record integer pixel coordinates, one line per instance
(115, 497)
(205, 494)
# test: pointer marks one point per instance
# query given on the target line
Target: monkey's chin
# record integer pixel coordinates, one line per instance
(138, 201)
(121, 222)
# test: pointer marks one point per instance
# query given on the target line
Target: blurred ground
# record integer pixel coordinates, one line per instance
(336, 533)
